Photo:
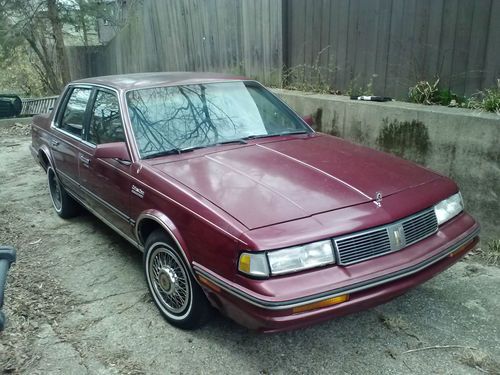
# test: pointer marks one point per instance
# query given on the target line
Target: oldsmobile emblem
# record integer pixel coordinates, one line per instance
(396, 237)
(378, 199)
(137, 191)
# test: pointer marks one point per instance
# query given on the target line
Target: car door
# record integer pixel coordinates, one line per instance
(106, 182)
(66, 137)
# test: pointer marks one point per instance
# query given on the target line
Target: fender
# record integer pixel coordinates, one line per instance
(169, 226)
(46, 150)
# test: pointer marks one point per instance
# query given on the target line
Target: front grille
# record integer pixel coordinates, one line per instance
(419, 227)
(355, 248)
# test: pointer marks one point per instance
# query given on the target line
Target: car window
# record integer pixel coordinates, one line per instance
(74, 113)
(105, 123)
(274, 117)
(177, 118)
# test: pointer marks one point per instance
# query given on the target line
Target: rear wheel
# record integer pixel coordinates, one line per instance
(174, 290)
(65, 206)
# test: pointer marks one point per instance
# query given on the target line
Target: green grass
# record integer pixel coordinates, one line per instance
(486, 100)
(492, 253)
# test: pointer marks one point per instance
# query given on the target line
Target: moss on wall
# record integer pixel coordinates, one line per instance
(406, 139)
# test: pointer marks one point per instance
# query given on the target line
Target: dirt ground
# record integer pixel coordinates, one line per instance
(77, 303)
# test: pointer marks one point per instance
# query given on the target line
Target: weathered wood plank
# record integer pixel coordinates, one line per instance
(384, 20)
(447, 41)
(462, 43)
(478, 46)
(492, 60)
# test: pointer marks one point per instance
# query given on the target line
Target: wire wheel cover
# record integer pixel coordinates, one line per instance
(55, 190)
(169, 280)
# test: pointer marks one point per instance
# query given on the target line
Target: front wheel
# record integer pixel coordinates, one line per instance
(65, 206)
(174, 290)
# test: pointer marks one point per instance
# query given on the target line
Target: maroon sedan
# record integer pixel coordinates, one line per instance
(238, 204)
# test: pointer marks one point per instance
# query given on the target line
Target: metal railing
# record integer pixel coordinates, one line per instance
(38, 105)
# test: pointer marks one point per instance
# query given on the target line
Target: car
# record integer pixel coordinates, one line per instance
(238, 204)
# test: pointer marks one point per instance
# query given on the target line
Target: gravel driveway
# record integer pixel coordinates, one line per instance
(77, 303)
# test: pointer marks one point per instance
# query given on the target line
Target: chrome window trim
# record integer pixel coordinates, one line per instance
(92, 86)
(64, 100)
(117, 95)
(110, 207)
(170, 233)
(108, 223)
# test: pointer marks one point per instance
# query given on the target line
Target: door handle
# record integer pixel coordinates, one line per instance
(54, 143)
(85, 160)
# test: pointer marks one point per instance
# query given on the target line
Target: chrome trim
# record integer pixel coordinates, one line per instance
(282, 305)
(68, 134)
(105, 221)
(120, 103)
(170, 233)
(389, 228)
(110, 207)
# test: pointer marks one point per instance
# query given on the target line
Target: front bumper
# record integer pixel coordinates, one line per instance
(272, 312)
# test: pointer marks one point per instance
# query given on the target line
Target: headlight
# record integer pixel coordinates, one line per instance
(449, 208)
(288, 260)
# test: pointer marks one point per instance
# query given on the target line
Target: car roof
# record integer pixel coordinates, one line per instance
(144, 80)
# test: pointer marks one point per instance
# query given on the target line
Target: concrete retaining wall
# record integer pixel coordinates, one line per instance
(459, 143)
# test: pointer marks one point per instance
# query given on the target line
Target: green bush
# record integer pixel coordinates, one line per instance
(428, 93)
(486, 100)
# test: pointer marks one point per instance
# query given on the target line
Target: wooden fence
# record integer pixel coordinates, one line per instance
(240, 37)
(387, 45)
(392, 44)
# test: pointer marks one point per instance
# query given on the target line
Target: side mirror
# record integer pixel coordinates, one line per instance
(115, 150)
(308, 120)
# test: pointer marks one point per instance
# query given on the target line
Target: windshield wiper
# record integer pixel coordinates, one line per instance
(296, 132)
(163, 153)
(176, 151)
(240, 140)
(256, 136)
(275, 134)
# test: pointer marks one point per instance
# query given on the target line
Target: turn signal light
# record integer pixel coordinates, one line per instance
(208, 283)
(320, 304)
(462, 249)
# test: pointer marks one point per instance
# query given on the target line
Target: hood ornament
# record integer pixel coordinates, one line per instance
(378, 199)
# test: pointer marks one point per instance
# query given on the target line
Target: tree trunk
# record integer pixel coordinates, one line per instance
(55, 21)
(53, 82)
(83, 23)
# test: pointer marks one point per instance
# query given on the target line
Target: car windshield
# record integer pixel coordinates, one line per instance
(176, 119)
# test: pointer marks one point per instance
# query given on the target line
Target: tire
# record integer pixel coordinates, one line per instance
(175, 292)
(65, 206)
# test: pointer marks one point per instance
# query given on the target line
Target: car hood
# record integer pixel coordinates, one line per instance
(274, 181)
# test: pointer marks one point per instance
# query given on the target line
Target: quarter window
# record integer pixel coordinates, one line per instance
(105, 123)
(74, 113)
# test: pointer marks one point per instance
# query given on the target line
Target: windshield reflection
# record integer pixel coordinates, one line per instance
(178, 118)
